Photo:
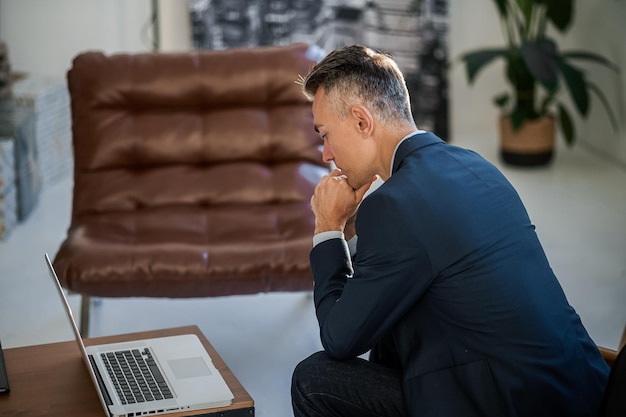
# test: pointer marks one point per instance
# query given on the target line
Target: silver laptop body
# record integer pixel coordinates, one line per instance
(184, 377)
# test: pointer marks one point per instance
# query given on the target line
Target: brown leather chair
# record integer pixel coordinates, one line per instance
(193, 174)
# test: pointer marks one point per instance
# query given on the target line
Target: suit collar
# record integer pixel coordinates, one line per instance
(412, 143)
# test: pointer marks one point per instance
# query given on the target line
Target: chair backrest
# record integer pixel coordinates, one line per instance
(201, 128)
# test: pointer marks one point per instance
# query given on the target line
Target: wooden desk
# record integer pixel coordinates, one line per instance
(51, 380)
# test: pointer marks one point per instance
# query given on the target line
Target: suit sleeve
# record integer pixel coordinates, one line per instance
(356, 303)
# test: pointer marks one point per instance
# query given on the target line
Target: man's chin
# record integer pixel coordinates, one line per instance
(354, 186)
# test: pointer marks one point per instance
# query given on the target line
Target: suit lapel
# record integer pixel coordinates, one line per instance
(412, 144)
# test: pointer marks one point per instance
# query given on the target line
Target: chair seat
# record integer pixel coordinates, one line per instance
(189, 251)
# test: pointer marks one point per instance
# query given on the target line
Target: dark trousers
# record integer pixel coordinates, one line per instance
(323, 387)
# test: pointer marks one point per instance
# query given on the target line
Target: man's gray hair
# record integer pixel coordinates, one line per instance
(359, 75)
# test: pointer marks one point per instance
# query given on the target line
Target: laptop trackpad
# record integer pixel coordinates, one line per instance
(189, 367)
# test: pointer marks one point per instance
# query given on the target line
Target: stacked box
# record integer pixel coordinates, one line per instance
(8, 189)
(19, 124)
(49, 99)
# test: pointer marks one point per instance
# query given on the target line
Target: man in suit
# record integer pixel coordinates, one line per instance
(449, 290)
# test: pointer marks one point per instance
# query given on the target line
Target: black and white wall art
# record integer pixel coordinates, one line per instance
(413, 31)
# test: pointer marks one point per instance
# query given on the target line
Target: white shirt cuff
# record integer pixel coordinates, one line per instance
(352, 245)
(324, 236)
(334, 234)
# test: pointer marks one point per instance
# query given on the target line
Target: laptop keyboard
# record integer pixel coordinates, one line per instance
(135, 376)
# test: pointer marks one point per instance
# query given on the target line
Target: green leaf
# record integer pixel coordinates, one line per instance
(526, 7)
(501, 5)
(590, 56)
(567, 127)
(475, 61)
(516, 71)
(539, 57)
(605, 103)
(559, 12)
(576, 85)
(501, 100)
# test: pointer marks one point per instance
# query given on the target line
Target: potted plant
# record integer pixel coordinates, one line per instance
(538, 73)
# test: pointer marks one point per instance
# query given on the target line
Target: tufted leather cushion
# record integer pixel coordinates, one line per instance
(193, 174)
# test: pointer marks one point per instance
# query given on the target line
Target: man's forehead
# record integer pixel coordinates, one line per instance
(317, 124)
(316, 108)
(320, 96)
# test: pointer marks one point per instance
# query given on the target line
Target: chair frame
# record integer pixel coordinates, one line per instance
(610, 355)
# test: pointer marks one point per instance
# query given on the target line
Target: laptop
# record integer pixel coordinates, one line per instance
(167, 374)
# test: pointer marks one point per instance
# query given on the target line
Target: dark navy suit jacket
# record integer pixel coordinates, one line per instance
(450, 284)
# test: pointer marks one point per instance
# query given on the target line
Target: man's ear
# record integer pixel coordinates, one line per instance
(363, 119)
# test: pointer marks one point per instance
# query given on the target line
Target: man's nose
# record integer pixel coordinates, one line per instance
(327, 155)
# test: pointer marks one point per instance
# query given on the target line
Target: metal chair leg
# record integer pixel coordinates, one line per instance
(85, 307)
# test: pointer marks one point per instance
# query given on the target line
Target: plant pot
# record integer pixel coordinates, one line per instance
(531, 145)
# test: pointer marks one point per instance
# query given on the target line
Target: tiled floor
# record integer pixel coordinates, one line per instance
(578, 205)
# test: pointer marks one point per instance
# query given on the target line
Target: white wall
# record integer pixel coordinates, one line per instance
(44, 35)
(599, 27)
(175, 25)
